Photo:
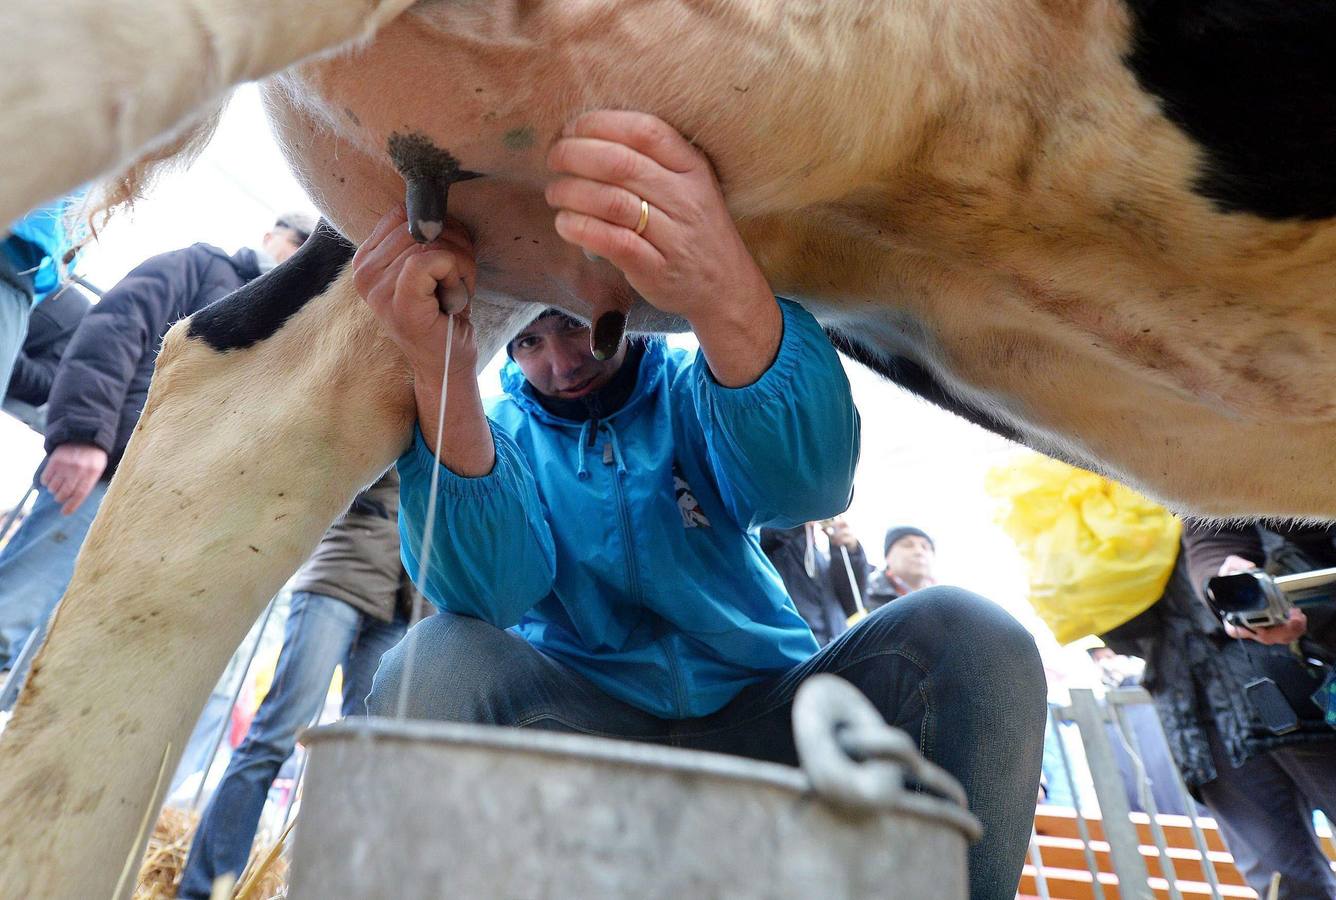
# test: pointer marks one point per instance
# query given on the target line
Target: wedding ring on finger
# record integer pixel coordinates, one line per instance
(644, 217)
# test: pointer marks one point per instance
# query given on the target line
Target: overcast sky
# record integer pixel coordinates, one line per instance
(919, 465)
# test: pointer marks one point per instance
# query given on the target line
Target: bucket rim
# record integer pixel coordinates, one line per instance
(630, 754)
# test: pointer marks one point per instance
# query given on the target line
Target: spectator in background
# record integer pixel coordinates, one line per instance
(50, 329)
(350, 603)
(825, 587)
(1140, 733)
(1262, 786)
(909, 556)
(96, 396)
(30, 260)
(1267, 785)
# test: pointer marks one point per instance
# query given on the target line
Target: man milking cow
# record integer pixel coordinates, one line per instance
(576, 596)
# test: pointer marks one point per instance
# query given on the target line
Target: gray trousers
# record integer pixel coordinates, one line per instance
(1265, 810)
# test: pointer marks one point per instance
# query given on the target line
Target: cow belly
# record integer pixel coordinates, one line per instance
(1038, 245)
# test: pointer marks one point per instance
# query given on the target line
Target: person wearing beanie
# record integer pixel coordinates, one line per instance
(595, 554)
(909, 553)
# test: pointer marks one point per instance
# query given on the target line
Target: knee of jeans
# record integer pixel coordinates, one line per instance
(980, 637)
(443, 644)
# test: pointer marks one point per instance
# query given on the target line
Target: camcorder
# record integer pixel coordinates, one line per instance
(1255, 599)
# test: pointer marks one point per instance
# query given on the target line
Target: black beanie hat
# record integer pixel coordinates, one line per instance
(903, 531)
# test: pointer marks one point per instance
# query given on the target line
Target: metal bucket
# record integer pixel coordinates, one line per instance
(436, 810)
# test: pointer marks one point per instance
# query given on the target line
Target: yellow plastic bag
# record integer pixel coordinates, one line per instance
(1099, 553)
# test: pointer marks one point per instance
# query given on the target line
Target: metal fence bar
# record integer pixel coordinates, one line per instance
(1081, 827)
(1146, 794)
(301, 773)
(1135, 696)
(1124, 845)
(227, 719)
(18, 669)
(1037, 861)
(13, 515)
(87, 285)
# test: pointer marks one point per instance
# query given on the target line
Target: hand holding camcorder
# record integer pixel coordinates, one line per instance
(1256, 600)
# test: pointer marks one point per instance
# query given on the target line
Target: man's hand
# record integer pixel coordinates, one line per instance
(689, 259)
(71, 472)
(1293, 629)
(841, 535)
(410, 287)
(1233, 565)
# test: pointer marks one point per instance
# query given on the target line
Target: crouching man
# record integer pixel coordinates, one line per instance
(595, 557)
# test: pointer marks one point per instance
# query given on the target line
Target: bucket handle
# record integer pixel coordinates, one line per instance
(852, 757)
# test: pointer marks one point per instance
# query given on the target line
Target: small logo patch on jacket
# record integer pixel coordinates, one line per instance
(692, 517)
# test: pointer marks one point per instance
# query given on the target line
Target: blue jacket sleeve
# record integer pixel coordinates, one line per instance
(785, 447)
(492, 555)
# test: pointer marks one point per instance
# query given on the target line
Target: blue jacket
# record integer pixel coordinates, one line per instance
(36, 243)
(626, 548)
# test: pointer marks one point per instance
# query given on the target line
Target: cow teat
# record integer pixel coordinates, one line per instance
(428, 171)
(606, 335)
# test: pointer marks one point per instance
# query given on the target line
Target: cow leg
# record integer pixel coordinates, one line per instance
(268, 411)
(95, 82)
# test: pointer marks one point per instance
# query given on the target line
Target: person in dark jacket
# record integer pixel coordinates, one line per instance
(350, 603)
(826, 587)
(96, 395)
(49, 332)
(1262, 787)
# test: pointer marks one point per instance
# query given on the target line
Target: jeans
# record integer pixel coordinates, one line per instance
(15, 308)
(1265, 810)
(950, 668)
(37, 564)
(321, 633)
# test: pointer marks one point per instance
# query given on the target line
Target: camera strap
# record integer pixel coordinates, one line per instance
(1267, 699)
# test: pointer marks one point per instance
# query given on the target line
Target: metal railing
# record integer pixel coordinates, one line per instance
(1099, 722)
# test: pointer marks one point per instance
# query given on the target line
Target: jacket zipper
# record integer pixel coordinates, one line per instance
(633, 570)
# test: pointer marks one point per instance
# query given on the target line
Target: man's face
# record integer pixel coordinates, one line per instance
(281, 243)
(553, 353)
(911, 557)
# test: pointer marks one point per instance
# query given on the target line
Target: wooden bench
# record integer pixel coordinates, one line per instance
(1067, 874)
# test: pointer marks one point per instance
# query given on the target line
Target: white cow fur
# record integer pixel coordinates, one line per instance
(91, 83)
(978, 185)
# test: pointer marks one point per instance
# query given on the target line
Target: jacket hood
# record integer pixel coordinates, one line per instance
(244, 262)
(648, 377)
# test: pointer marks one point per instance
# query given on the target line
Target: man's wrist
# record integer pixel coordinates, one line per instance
(741, 336)
(739, 313)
